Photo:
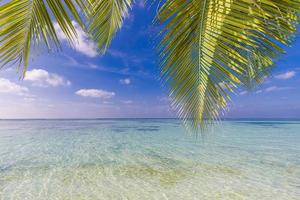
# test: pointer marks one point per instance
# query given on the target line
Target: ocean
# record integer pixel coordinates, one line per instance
(148, 159)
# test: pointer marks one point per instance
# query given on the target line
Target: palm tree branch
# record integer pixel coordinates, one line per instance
(209, 47)
(106, 19)
(29, 24)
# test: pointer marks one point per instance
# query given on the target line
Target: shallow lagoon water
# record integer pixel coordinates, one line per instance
(148, 159)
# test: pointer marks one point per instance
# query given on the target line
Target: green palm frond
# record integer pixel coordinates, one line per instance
(106, 18)
(208, 42)
(28, 24)
(255, 72)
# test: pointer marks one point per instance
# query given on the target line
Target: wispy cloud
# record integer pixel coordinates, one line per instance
(286, 75)
(72, 62)
(83, 44)
(29, 99)
(164, 99)
(95, 93)
(141, 3)
(126, 57)
(243, 93)
(127, 102)
(8, 87)
(117, 53)
(267, 90)
(129, 21)
(42, 78)
(276, 88)
(125, 81)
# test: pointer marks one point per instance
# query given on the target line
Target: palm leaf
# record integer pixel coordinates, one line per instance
(28, 24)
(208, 42)
(255, 72)
(106, 18)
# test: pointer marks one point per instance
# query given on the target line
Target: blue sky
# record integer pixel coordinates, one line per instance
(79, 83)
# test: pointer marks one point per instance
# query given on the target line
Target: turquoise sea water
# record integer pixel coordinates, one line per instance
(148, 159)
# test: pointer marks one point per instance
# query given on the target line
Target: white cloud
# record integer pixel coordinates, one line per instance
(107, 103)
(42, 78)
(286, 75)
(243, 93)
(127, 102)
(83, 44)
(95, 93)
(125, 81)
(29, 99)
(6, 86)
(272, 89)
(164, 99)
(92, 66)
(275, 88)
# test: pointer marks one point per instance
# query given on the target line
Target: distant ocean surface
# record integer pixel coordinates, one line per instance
(148, 159)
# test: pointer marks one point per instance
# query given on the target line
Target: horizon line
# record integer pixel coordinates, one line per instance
(172, 118)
